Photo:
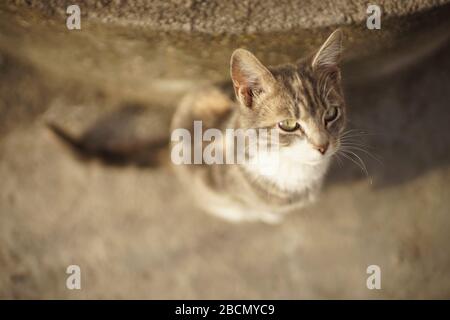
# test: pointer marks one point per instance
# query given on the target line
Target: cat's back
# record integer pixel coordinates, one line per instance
(210, 104)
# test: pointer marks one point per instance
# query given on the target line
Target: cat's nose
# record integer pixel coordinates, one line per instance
(323, 148)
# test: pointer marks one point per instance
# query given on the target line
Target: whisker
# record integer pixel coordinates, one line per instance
(355, 135)
(357, 132)
(376, 158)
(359, 163)
(356, 143)
(354, 161)
(338, 158)
(363, 165)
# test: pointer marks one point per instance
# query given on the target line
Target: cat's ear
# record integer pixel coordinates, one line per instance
(250, 77)
(329, 54)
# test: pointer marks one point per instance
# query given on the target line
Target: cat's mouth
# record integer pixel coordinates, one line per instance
(321, 159)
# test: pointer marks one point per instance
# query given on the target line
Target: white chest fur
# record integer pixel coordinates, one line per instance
(292, 169)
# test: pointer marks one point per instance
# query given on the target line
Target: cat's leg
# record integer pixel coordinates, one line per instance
(271, 218)
(228, 213)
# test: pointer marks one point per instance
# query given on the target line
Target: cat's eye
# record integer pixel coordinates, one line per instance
(331, 114)
(289, 125)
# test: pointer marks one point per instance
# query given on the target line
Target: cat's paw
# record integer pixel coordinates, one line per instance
(237, 215)
(271, 218)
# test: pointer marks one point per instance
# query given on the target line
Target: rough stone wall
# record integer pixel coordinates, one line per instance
(235, 16)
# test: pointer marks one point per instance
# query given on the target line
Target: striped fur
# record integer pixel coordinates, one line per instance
(307, 91)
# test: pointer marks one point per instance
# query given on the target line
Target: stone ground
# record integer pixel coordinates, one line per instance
(135, 234)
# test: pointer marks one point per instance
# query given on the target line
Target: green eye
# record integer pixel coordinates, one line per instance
(288, 125)
(331, 114)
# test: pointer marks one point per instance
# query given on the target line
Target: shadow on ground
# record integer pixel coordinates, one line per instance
(401, 119)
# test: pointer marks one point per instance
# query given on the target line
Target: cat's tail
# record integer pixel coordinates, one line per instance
(65, 137)
(142, 153)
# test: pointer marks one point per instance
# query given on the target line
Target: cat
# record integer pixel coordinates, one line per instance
(303, 102)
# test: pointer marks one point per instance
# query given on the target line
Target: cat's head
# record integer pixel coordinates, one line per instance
(304, 101)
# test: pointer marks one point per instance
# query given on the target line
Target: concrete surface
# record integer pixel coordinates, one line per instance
(225, 17)
(136, 235)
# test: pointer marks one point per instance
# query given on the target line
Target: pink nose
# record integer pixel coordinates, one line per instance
(323, 148)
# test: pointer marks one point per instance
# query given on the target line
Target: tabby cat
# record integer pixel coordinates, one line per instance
(303, 103)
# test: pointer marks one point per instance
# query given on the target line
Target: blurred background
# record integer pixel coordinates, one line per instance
(136, 234)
